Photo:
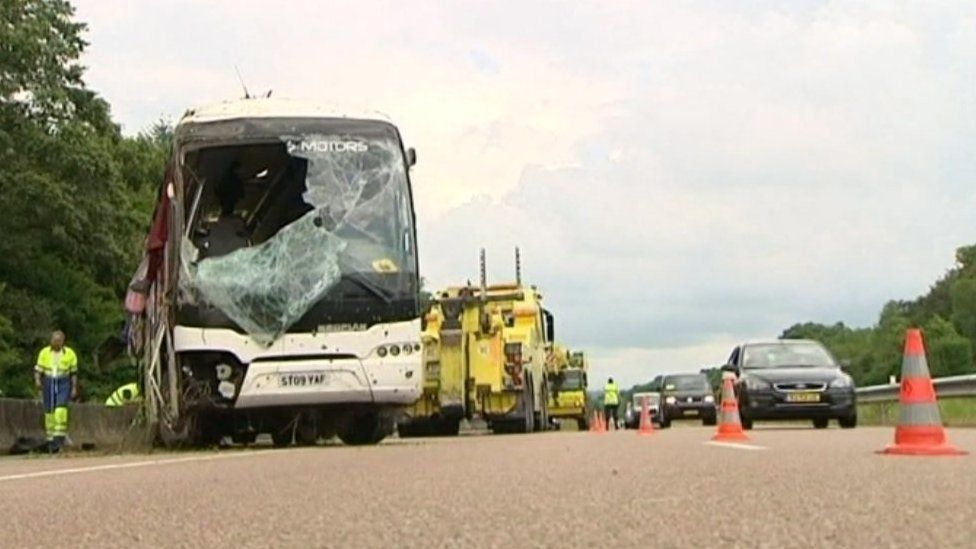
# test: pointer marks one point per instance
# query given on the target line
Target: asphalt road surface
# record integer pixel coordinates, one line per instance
(791, 487)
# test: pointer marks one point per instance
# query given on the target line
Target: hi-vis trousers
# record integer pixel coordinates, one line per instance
(56, 393)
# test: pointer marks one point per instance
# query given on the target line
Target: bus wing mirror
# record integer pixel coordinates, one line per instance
(411, 156)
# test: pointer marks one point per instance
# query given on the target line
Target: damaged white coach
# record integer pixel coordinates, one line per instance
(279, 290)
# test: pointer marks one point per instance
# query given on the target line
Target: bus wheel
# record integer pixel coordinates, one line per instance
(281, 438)
(364, 429)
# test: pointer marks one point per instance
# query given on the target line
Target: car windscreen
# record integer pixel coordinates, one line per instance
(786, 354)
(687, 383)
(652, 400)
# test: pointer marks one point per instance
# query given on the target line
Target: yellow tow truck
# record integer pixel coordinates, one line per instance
(443, 402)
(485, 356)
(567, 386)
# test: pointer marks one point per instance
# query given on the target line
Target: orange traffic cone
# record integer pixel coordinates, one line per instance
(919, 431)
(646, 426)
(601, 423)
(729, 423)
(595, 423)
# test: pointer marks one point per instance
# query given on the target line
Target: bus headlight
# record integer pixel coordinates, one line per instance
(223, 371)
(396, 349)
(226, 389)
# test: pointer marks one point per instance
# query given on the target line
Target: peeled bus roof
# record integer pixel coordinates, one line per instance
(273, 108)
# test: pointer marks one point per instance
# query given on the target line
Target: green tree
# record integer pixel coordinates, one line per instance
(14, 378)
(714, 376)
(887, 343)
(40, 77)
(77, 196)
(963, 297)
(949, 353)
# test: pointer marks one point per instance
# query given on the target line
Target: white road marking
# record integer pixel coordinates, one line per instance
(736, 445)
(133, 464)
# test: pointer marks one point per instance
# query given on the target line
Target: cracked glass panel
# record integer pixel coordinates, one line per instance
(304, 215)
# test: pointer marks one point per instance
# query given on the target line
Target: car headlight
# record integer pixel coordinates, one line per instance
(709, 398)
(670, 400)
(842, 382)
(756, 384)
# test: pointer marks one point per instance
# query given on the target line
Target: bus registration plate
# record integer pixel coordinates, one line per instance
(310, 379)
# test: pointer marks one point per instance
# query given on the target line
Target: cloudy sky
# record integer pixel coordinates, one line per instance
(680, 176)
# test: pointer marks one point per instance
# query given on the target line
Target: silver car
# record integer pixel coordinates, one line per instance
(635, 405)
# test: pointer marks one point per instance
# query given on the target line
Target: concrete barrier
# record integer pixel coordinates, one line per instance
(106, 429)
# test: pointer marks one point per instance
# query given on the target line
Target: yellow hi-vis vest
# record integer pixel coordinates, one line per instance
(120, 398)
(47, 365)
(611, 395)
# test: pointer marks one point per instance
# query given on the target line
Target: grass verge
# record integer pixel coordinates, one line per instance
(956, 412)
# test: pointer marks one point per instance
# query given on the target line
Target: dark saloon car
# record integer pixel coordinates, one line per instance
(686, 396)
(792, 379)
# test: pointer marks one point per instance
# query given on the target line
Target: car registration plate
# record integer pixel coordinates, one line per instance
(691, 412)
(803, 397)
(311, 379)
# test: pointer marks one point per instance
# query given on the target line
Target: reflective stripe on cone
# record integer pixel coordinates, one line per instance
(646, 426)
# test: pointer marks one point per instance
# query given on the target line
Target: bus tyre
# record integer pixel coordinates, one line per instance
(172, 436)
(282, 437)
(246, 438)
(307, 433)
(196, 429)
(582, 424)
(450, 427)
(408, 430)
(365, 428)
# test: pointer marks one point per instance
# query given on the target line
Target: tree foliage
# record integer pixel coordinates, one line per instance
(76, 198)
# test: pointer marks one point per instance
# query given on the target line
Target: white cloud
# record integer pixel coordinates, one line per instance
(679, 176)
(632, 365)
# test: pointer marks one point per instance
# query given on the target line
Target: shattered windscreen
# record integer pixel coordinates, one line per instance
(275, 226)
